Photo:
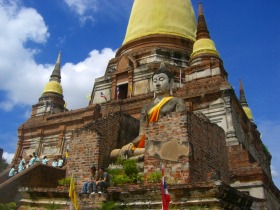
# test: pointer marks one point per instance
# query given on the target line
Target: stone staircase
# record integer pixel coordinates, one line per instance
(44, 198)
(36, 176)
(89, 202)
(37, 188)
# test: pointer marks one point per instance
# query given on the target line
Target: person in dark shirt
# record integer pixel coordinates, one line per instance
(104, 180)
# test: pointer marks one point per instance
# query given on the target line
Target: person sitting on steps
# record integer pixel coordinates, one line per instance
(90, 186)
(104, 180)
(12, 171)
(22, 164)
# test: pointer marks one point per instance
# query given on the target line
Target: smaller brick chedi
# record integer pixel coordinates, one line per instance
(189, 121)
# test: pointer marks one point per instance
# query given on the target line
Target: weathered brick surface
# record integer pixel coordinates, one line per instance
(57, 125)
(207, 149)
(243, 167)
(93, 143)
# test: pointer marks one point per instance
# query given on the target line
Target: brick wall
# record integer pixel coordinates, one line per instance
(92, 144)
(209, 149)
(41, 128)
(243, 166)
(199, 147)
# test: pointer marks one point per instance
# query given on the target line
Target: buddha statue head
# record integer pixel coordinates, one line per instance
(162, 81)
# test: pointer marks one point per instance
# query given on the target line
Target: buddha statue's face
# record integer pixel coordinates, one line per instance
(161, 83)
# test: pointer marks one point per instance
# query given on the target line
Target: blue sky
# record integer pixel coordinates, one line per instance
(88, 32)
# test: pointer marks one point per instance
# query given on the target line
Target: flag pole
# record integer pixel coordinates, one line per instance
(164, 192)
(72, 193)
(180, 76)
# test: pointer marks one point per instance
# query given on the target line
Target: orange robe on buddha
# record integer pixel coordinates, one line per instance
(153, 117)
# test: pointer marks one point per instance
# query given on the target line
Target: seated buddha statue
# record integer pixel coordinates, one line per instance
(162, 104)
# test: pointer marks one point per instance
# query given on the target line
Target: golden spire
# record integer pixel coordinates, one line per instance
(54, 85)
(244, 103)
(203, 44)
(171, 17)
(56, 72)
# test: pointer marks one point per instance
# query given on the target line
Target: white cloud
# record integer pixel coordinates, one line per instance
(22, 80)
(19, 25)
(85, 19)
(88, 9)
(78, 79)
(84, 9)
(20, 74)
(82, 6)
(8, 156)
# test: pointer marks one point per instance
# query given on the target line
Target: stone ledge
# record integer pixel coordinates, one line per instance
(214, 193)
(88, 201)
(62, 189)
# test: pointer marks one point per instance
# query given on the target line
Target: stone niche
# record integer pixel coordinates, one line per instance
(190, 148)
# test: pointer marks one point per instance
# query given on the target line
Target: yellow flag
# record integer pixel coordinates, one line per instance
(130, 90)
(73, 194)
(65, 104)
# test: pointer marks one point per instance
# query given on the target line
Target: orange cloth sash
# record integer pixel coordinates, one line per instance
(153, 117)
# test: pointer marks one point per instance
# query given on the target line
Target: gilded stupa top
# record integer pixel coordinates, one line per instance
(203, 43)
(167, 17)
(244, 103)
(54, 86)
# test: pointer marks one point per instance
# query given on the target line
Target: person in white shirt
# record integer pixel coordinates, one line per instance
(21, 165)
(12, 171)
(45, 160)
(31, 160)
(55, 163)
(37, 159)
(60, 162)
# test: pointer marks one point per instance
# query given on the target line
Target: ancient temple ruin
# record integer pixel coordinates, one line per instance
(217, 130)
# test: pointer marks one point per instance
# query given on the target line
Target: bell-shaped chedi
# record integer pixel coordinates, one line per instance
(51, 100)
(160, 23)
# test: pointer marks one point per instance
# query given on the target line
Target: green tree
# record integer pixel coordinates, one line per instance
(3, 165)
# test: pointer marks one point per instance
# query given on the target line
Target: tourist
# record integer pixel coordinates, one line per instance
(55, 163)
(32, 160)
(163, 104)
(36, 157)
(21, 165)
(60, 162)
(12, 171)
(104, 180)
(45, 160)
(90, 185)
